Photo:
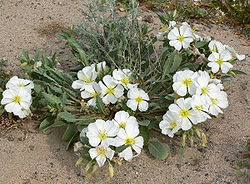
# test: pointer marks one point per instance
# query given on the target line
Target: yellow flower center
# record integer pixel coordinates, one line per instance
(129, 140)
(138, 99)
(220, 61)
(184, 113)
(125, 80)
(186, 81)
(95, 94)
(87, 80)
(122, 124)
(180, 38)
(102, 135)
(164, 28)
(110, 90)
(20, 85)
(199, 107)
(173, 124)
(17, 99)
(101, 151)
(214, 101)
(204, 90)
(213, 50)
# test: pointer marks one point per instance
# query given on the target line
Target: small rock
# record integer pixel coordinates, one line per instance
(178, 166)
(62, 3)
(31, 147)
(206, 174)
(148, 18)
(11, 137)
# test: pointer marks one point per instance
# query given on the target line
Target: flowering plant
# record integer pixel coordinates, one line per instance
(121, 89)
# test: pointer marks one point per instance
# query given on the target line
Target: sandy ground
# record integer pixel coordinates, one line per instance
(41, 158)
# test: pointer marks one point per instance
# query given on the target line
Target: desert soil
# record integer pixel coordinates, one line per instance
(32, 157)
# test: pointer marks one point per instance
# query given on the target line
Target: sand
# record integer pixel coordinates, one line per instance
(41, 158)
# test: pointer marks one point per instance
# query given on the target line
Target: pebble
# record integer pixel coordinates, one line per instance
(62, 3)
(31, 147)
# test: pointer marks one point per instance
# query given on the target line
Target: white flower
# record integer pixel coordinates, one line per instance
(122, 119)
(218, 61)
(216, 46)
(184, 82)
(200, 105)
(38, 64)
(204, 88)
(100, 66)
(101, 153)
(129, 136)
(137, 99)
(84, 132)
(110, 90)
(123, 77)
(182, 38)
(219, 101)
(165, 30)
(101, 132)
(86, 76)
(17, 100)
(170, 124)
(234, 53)
(183, 109)
(217, 82)
(91, 91)
(15, 82)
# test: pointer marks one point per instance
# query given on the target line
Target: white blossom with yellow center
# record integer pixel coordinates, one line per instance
(110, 90)
(123, 77)
(216, 46)
(85, 76)
(180, 38)
(200, 106)
(137, 99)
(101, 132)
(17, 101)
(204, 87)
(122, 119)
(129, 136)
(219, 61)
(15, 82)
(101, 153)
(91, 92)
(184, 82)
(218, 101)
(186, 114)
(234, 53)
(170, 124)
(165, 29)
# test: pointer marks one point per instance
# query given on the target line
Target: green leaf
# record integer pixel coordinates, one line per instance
(176, 63)
(168, 64)
(121, 148)
(157, 150)
(182, 149)
(67, 116)
(145, 134)
(46, 123)
(56, 124)
(144, 122)
(84, 121)
(72, 140)
(100, 105)
(69, 133)
(200, 44)
(238, 72)
(52, 99)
